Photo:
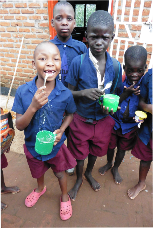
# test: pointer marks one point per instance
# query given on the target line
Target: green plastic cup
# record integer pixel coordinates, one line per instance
(111, 101)
(44, 142)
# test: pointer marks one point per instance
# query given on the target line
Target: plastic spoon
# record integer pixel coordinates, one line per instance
(45, 78)
(107, 86)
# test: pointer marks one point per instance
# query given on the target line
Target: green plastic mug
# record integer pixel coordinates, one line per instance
(44, 142)
(111, 101)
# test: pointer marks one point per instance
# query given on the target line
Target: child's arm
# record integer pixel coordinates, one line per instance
(40, 98)
(92, 93)
(145, 107)
(128, 91)
(67, 120)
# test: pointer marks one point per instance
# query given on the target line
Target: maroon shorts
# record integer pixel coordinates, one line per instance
(123, 142)
(143, 152)
(61, 162)
(93, 138)
(4, 162)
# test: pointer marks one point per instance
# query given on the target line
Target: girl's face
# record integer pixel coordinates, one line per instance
(134, 70)
(47, 60)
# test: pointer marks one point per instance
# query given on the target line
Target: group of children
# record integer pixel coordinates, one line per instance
(93, 130)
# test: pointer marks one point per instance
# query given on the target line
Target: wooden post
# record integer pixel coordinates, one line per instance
(51, 4)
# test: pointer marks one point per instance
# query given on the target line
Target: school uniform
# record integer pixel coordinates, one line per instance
(143, 146)
(124, 132)
(68, 51)
(49, 118)
(90, 129)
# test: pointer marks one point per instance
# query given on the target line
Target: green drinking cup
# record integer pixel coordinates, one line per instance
(111, 101)
(44, 142)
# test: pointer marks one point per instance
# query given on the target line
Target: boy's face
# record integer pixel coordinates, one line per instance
(47, 60)
(134, 70)
(99, 38)
(63, 21)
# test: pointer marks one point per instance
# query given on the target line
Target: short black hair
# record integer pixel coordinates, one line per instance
(135, 53)
(100, 17)
(63, 3)
(44, 42)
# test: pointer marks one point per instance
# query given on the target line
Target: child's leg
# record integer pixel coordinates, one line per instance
(91, 161)
(143, 170)
(5, 189)
(40, 182)
(2, 206)
(62, 178)
(105, 168)
(79, 171)
(119, 157)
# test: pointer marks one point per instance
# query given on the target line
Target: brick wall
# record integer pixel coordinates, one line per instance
(30, 20)
(135, 29)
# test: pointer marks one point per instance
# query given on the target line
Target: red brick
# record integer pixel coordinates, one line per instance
(9, 17)
(22, 65)
(3, 11)
(2, 40)
(21, 5)
(28, 24)
(128, 3)
(36, 41)
(17, 23)
(127, 12)
(5, 59)
(31, 46)
(45, 5)
(122, 34)
(35, 30)
(136, 27)
(27, 61)
(2, 29)
(145, 19)
(14, 11)
(27, 11)
(45, 17)
(135, 12)
(9, 55)
(121, 26)
(8, 45)
(21, 18)
(149, 49)
(41, 11)
(119, 12)
(4, 23)
(148, 4)
(11, 64)
(11, 29)
(145, 12)
(43, 24)
(137, 3)
(26, 36)
(43, 36)
(3, 72)
(7, 5)
(134, 19)
(35, 17)
(24, 30)
(34, 5)
(12, 40)
(25, 51)
(17, 35)
(28, 71)
(4, 50)
(1, 54)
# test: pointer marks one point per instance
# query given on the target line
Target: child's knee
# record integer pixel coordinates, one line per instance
(59, 175)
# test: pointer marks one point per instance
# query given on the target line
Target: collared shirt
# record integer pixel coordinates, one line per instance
(95, 63)
(68, 51)
(129, 123)
(84, 76)
(49, 117)
(145, 131)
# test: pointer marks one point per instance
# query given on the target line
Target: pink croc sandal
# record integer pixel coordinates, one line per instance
(65, 210)
(33, 197)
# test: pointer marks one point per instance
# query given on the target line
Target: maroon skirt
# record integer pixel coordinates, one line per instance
(143, 152)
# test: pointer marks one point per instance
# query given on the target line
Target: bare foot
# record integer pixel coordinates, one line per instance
(12, 190)
(73, 192)
(93, 183)
(3, 206)
(117, 178)
(133, 192)
(105, 168)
